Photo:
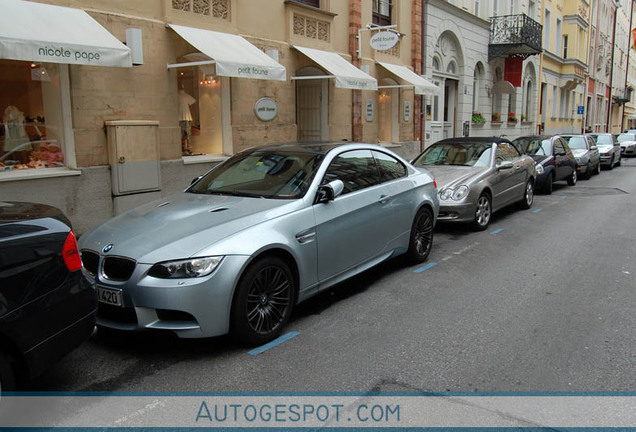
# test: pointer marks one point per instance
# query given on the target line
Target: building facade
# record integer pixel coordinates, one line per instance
(196, 81)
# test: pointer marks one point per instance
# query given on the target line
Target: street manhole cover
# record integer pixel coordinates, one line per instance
(592, 191)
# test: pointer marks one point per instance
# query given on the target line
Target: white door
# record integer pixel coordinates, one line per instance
(311, 113)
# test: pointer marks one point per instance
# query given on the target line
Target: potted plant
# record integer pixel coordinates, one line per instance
(478, 117)
(496, 116)
(511, 117)
(524, 117)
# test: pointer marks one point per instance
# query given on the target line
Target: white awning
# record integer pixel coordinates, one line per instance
(421, 84)
(347, 75)
(503, 87)
(45, 33)
(233, 55)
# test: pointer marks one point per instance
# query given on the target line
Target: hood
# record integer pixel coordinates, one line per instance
(456, 175)
(181, 225)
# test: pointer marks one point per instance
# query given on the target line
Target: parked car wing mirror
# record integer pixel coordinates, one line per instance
(196, 179)
(330, 191)
(505, 165)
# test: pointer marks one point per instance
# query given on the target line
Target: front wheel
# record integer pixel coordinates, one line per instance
(421, 239)
(611, 165)
(263, 301)
(549, 184)
(528, 196)
(482, 213)
(588, 171)
(619, 161)
(597, 170)
(572, 179)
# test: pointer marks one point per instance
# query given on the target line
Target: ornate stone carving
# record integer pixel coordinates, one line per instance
(183, 5)
(311, 28)
(220, 8)
(201, 7)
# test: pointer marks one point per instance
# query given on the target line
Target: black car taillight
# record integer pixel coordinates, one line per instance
(70, 253)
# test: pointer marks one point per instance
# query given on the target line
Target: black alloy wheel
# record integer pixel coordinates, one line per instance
(421, 239)
(263, 301)
(483, 212)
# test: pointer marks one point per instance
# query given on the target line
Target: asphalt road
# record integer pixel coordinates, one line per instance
(541, 301)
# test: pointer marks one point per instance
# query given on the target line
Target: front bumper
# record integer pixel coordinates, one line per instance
(460, 212)
(606, 160)
(189, 307)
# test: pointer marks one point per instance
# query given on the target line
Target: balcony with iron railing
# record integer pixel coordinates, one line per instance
(511, 35)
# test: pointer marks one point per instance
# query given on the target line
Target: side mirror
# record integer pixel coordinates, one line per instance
(196, 179)
(593, 147)
(330, 191)
(505, 165)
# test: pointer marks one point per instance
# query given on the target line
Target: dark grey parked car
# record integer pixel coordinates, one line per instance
(586, 154)
(478, 176)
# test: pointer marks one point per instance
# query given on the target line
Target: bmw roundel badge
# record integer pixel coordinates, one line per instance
(107, 248)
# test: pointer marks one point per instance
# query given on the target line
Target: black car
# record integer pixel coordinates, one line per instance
(554, 158)
(47, 306)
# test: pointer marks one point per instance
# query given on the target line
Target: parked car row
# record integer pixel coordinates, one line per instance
(268, 228)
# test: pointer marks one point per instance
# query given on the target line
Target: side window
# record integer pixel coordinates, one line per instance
(390, 168)
(356, 169)
(506, 152)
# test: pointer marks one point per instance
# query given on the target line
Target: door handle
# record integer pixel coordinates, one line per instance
(384, 199)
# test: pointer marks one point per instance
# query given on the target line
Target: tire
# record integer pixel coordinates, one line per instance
(588, 171)
(611, 165)
(7, 374)
(572, 179)
(483, 213)
(421, 238)
(528, 196)
(597, 170)
(548, 184)
(619, 161)
(263, 301)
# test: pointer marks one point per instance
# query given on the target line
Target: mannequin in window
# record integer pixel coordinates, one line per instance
(15, 135)
(185, 119)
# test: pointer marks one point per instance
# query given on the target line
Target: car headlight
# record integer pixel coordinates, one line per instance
(188, 268)
(456, 194)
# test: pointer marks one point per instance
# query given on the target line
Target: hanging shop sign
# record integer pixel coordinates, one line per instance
(369, 110)
(266, 109)
(407, 111)
(384, 40)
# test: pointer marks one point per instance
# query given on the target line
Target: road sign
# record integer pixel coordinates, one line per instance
(580, 109)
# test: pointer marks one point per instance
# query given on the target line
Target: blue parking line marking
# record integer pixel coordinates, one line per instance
(497, 231)
(272, 344)
(564, 196)
(424, 268)
(537, 210)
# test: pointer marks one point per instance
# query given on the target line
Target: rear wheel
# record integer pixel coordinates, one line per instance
(572, 179)
(7, 374)
(528, 196)
(421, 240)
(263, 301)
(482, 213)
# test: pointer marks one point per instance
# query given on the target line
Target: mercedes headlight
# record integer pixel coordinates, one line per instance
(188, 268)
(456, 194)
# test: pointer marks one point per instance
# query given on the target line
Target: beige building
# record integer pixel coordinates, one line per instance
(108, 104)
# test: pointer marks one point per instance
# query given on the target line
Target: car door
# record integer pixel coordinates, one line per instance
(595, 157)
(352, 229)
(562, 166)
(504, 180)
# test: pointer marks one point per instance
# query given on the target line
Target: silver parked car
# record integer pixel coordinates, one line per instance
(478, 176)
(585, 152)
(627, 142)
(608, 148)
(264, 230)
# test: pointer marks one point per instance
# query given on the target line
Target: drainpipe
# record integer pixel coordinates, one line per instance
(423, 69)
(609, 101)
(629, 51)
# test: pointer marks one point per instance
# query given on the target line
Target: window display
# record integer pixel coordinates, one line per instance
(30, 110)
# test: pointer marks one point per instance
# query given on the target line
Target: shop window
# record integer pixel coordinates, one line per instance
(382, 12)
(31, 128)
(200, 111)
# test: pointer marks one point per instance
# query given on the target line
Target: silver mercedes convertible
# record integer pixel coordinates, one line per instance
(262, 231)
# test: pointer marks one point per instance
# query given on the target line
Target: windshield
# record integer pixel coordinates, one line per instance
(262, 173)
(534, 146)
(577, 143)
(463, 154)
(626, 137)
(604, 140)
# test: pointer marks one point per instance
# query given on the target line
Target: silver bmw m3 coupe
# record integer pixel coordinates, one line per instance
(257, 234)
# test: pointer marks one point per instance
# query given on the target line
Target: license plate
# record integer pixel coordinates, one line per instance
(109, 296)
